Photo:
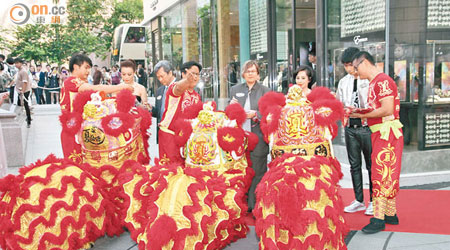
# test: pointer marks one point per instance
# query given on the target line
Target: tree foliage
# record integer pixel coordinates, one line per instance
(127, 11)
(89, 28)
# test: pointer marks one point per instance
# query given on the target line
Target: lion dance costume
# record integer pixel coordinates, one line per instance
(298, 206)
(108, 185)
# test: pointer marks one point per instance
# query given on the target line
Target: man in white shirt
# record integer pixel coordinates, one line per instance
(353, 92)
(23, 87)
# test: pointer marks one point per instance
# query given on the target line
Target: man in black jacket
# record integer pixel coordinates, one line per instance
(247, 95)
(164, 70)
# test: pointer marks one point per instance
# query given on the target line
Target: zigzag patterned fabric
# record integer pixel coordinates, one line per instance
(199, 205)
(105, 185)
(54, 204)
(297, 201)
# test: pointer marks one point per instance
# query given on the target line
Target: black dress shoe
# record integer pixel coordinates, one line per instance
(375, 226)
(393, 220)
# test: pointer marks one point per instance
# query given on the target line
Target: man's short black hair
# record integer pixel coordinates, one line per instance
(190, 64)
(95, 65)
(312, 52)
(366, 55)
(79, 59)
(2, 57)
(10, 60)
(18, 60)
(349, 54)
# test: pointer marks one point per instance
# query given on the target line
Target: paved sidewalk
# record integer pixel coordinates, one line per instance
(43, 139)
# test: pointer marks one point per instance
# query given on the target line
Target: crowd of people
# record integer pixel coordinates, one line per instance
(42, 85)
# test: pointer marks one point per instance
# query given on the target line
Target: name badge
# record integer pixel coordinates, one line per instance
(240, 94)
(159, 97)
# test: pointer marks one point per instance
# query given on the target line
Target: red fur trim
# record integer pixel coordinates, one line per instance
(183, 130)
(236, 112)
(270, 121)
(280, 188)
(320, 93)
(9, 183)
(125, 100)
(252, 140)
(191, 112)
(71, 122)
(146, 120)
(80, 100)
(230, 139)
(271, 99)
(336, 111)
(69, 228)
(124, 121)
(162, 231)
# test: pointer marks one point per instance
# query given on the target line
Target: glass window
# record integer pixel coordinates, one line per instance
(258, 37)
(284, 44)
(172, 41)
(205, 51)
(354, 23)
(228, 45)
(135, 35)
(437, 73)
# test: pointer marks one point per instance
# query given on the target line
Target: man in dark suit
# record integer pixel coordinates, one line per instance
(247, 95)
(164, 74)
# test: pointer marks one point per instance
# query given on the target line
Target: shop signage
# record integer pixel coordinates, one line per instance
(359, 39)
(153, 8)
(362, 17)
(438, 14)
(437, 129)
(153, 4)
(258, 26)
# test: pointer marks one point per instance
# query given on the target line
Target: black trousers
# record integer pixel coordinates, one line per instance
(27, 96)
(259, 165)
(48, 99)
(358, 140)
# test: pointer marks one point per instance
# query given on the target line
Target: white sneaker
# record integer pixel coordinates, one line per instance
(369, 210)
(355, 206)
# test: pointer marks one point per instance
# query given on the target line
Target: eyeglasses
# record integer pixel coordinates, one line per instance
(251, 72)
(193, 73)
(357, 65)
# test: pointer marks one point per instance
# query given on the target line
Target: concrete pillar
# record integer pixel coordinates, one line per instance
(244, 31)
(224, 42)
(3, 164)
(13, 139)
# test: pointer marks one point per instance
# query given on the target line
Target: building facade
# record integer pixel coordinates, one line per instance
(410, 40)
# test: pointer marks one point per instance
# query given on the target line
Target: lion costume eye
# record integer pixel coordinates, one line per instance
(116, 124)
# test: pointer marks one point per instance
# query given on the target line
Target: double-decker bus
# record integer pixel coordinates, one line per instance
(129, 42)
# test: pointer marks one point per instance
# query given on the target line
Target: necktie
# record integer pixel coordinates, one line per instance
(163, 102)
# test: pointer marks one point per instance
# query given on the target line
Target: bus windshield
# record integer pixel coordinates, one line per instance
(135, 35)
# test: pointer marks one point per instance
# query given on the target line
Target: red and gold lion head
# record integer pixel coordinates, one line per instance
(300, 125)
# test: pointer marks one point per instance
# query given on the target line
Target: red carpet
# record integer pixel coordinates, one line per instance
(419, 211)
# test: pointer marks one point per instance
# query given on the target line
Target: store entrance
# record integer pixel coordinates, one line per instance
(305, 33)
(295, 38)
